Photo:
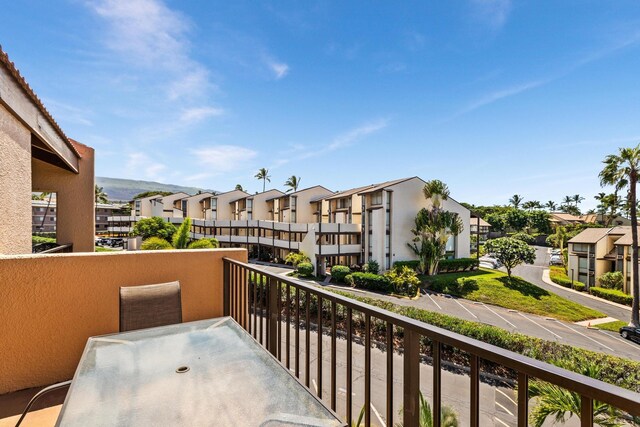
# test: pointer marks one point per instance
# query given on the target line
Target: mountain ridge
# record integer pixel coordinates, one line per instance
(123, 190)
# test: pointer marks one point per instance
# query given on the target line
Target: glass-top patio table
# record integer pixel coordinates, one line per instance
(204, 373)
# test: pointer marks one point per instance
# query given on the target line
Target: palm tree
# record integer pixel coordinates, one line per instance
(531, 205)
(448, 417)
(551, 205)
(621, 171)
(568, 200)
(239, 187)
(263, 174)
(100, 195)
(293, 183)
(577, 199)
(516, 200)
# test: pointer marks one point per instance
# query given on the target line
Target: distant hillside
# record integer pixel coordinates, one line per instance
(124, 189)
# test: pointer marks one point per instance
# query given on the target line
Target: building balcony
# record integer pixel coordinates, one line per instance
(354, 357)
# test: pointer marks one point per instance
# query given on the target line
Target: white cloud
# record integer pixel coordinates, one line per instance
(356, 134)
(68, 113)
(498, 95)
(224, 158)
(492, 12)
(139, 161)
(279, 69)
(196, 114)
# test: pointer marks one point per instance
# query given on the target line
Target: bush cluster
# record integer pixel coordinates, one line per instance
(611, 280)
(413, 264)
(339, 272)
(155, 243)
(295, 258)
(201, 244)
(305, 269)
(372, 267)
(403, 280)
(369, 281)
(559, 277)
(458, 264)
(612, 295)
(527, 238)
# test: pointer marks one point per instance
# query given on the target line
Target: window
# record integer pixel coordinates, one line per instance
(293, 216)
(580, 247)
(376, 198)
(293, 202)
(249, 204)
(214, 203)
(249, 217)
(184, 208)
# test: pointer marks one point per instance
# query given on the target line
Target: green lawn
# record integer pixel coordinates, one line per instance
(494, 287)
(101, 249)
(612, 326)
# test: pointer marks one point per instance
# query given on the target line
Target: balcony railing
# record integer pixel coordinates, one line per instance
(280, 312)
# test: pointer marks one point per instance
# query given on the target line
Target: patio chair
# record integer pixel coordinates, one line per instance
(38, 395)
(148, 306)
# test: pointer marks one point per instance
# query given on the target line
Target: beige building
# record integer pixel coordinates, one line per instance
(302, 206)
(44, 217)
(37, 156)
(596, 251)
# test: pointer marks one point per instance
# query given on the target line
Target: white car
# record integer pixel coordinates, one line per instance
(489, 262)
(556, 260)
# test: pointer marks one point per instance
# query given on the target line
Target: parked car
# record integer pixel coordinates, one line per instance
(556, 252)
(630, 333)
(489, 262)
(556, 260)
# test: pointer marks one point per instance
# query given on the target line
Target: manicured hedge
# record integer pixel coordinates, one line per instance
(612, 295)
(305, 269)
(369, 281)
(559, 277)
(339, 272)
(458, 264)
(413, 264)
(154, 244)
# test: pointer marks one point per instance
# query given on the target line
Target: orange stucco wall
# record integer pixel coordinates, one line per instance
(51, 304)
(75, 206)
(15, 185)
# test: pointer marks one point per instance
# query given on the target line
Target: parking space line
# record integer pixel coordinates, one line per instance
(434, 301)
(619, 339)
(464, 308)
(501, 422)
(487, 307)
(586, 336)
(505, 409)
(375, 411)
(548, 330)
(507, 396)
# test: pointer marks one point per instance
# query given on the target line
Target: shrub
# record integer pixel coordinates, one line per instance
(295, 258)
(559, 276)
(339, 272)
(201, 244)
(528, 239)
(305, 269)
(612, 295)
(35, 240)
(155, 243)
(611, 280)
(154, 227)
(413, 264)
(370, 281)
(404, 280)
(372, 267)
(458, 264)
(579, 286)
(181, 237)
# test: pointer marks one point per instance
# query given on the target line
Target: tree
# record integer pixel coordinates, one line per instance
(181, 237)
(516, 219)
(568, 200)
(263, 174)
(609, 206)
(100, 195)
(155, 244)
(539, 220)
(551, 205)
(433, 228)
(577, 199)
(516, 200)
(621, 171)
(511, 252)
(154, 227)
(559, 238)
(239, 187)
(293, 182)
(497, 221)
(531, 205)
(151, 193)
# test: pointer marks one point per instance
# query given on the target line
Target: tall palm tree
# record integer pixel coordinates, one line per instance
(577, 199)
(293, 182)
(239, 187)
(568, 200)
(621, 171)
(551, 205)
(516, 200)
(100, 195)
(263, 174)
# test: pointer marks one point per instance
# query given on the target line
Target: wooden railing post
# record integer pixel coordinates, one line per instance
(272, 316)
(411, 408)
(226, 287)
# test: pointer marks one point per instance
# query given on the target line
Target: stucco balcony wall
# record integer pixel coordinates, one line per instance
(51, 304)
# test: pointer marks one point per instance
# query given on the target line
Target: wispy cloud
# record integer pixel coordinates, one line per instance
(223, 158)
(68, 113)
(140, 161)
(493, 13)
(355, 134)
(197, 114)
(498, 95)
(279, 69)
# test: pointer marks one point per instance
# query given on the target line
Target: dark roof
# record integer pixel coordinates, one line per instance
(347, 193)
(383, 185)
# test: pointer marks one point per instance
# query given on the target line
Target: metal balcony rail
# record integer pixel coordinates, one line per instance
(268, 306)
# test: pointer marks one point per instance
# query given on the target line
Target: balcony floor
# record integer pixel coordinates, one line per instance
(43, 413)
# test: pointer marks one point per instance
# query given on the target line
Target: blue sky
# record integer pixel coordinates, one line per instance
(494, 97)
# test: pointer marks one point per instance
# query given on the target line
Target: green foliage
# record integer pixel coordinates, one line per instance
(295, 258)
(615, 370)
(35, 240)
(305, 269)
(527, 238)
(558, 275)
(154, 227)
(494, 287)
(403, 280)
(155, 243)
(611, 280)
(612, 295)
(214, 242)
(413, 264)
(151, 193)
(371, 266)
(369, 281)
(448, 417)
(100, 195)
(201, 244)
(511, 252)
(539, 220)
(457, 264)
(181, 237)
(516, 219)
(339, 272)
(497, 221)
(612, 326)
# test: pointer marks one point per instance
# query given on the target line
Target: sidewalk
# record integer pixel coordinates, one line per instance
(546, 279)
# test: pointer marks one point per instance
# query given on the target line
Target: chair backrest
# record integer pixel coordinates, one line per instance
(148, 306)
